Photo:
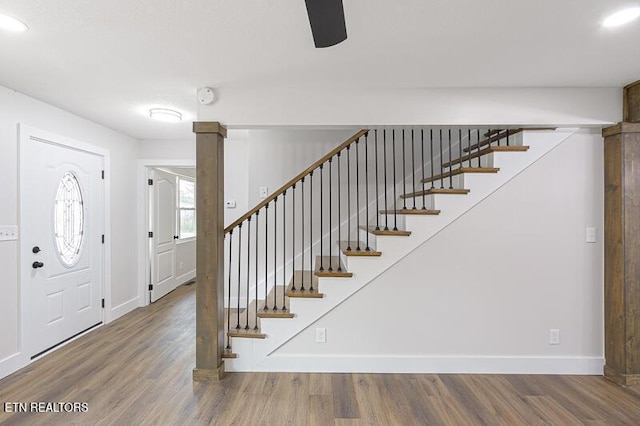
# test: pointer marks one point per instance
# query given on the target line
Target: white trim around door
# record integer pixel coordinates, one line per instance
(144, 166)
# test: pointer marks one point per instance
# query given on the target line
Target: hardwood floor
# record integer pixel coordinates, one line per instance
(137, 370)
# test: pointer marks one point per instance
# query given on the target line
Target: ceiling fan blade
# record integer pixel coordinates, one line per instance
(327, 22)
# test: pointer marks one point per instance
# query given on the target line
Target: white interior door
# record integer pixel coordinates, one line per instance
(61, 201)
(163, 263)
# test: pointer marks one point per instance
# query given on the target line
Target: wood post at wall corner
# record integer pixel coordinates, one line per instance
(209, 250)
(622, 253)
(631, 110)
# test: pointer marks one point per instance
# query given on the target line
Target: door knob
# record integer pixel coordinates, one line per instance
(37, 265)
(36, 249)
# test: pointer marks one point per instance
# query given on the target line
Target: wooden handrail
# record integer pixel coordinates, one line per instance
(296, 179)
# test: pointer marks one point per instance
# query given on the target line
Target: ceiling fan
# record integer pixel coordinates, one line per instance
(327, 22)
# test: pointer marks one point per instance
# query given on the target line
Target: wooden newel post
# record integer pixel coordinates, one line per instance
(210, 250)
(622, 243)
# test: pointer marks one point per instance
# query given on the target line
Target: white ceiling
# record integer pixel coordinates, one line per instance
(111, 60)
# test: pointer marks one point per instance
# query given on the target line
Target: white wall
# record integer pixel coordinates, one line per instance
(491, 284)
(564, 107)
(17, 108)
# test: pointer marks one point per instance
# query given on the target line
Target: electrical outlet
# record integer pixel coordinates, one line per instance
(8, 233)
(591, 235)
(264, 192)
(321, 335)
(554, 336)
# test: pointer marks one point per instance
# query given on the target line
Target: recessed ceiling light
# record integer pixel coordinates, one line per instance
(623, 17)
(168, 115)
(9, 23)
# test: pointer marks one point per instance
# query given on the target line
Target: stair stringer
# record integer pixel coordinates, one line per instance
(261, 355)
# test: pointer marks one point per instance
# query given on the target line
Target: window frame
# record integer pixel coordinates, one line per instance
(180, 209)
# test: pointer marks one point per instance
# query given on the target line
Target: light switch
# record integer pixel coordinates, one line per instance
(264, 192)
(591, 235)
(230, 204)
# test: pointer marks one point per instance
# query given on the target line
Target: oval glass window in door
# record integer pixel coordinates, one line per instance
(68, 219)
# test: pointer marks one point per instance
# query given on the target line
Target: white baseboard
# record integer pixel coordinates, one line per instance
(428, 364)
(12, 363)
(123, 309)
(185, 278)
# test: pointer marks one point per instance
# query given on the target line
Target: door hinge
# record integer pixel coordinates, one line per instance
(150, 234)
(102, 238)
(150, 182)
(150, 287)
(103, 303)
(103, 174)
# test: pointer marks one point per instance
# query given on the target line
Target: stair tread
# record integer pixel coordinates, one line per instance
(308, 277)
(374, 231)
(354, 252)
(331, 262)
(430, 191)
(486, 151)
(275, 314)
(229, 354)
(415, 211)
(247, 334)
(459, 171)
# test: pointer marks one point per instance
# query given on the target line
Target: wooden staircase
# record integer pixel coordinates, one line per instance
(332, 267)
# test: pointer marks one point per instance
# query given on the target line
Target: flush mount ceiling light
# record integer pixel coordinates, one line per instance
(9, 23)
(622, 17)
(167, 115)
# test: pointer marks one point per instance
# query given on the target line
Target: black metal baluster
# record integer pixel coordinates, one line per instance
(441, 161)
(293, 238)
(302, 221)
(256, 269)
(275, 253)
(366, 187)
(404, 173)
(239, 264)
(507, 137)
(489, 138)
(311, 267)
(431, 155)
(321, 221)
(284, 248)
(450, 165)
(461, 152)
(357, 195)
(266, 257)
(424, 195)
(330, 214)
(469, 147)
(413, 167)
(377, 193)
(386, 205)
(229, 292)
(478, 147)
(395, 182)
(246, 322)
(339, 211)
(349, 198)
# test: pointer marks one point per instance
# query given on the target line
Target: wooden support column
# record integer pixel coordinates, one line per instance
(210, 250)
(622, 243)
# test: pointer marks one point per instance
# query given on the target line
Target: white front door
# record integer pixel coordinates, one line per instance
(163, 259)
(61, 202)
